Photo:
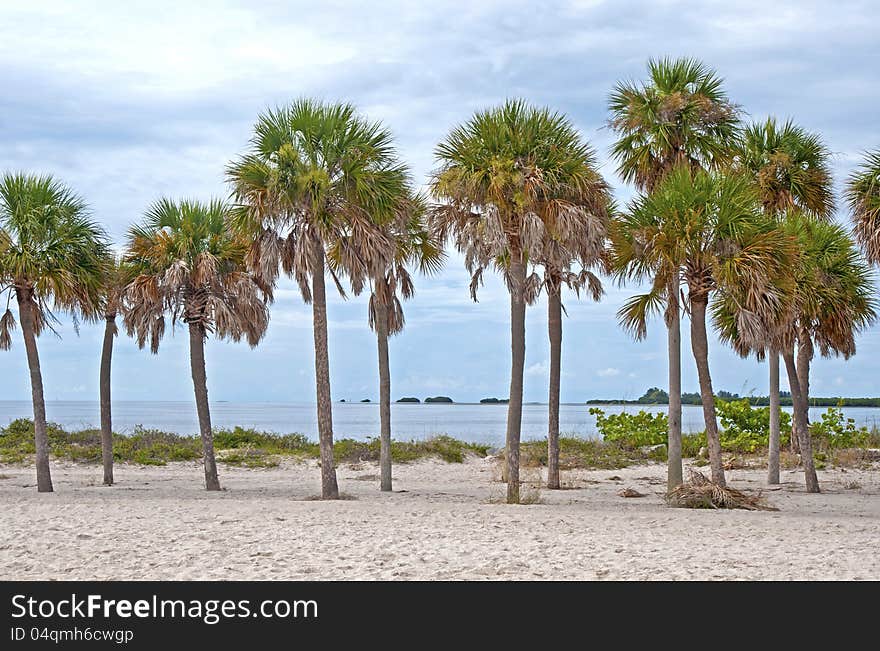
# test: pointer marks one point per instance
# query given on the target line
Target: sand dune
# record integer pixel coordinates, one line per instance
(445, 521)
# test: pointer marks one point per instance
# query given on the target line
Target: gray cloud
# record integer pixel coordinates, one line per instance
(130, 101)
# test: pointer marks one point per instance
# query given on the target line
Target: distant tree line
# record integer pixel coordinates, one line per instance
(657, 396)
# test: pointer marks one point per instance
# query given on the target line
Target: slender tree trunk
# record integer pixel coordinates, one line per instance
(804, 359)
(200, 387)
(673, 464)
(700, 345)
(329, 487)
(801, 427)
(384, 395)
(554, 323)
(106, 417)
(517, 363)
(41, 439)
(773, 445)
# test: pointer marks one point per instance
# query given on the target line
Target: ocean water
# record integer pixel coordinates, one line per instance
(470, 422)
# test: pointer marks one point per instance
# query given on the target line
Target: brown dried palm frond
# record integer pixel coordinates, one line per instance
(700, 493)
(314, 192)
(519, 184)
(184, 262)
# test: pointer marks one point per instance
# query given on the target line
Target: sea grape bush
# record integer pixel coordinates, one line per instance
(632, 430)
(746, 428)
(837, 431)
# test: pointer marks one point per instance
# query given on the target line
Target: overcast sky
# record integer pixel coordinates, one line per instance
(129, 101)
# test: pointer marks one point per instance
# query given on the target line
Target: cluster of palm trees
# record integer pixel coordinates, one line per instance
(731, 222)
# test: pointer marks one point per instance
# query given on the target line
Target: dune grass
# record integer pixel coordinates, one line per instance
(239, 446)
(251, 448)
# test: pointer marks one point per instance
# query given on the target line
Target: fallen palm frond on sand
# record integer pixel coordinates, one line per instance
(700, 493)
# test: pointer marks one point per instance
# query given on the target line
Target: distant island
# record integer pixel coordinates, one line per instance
(494, 401)
(438, 399)
(416, 400)
(365, 400)
(657, 396)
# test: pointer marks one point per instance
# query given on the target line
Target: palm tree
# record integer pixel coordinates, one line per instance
(414, 246)
(706, 228)
(50, 253)
(187, 264)
(116, 277)
(681, 115)
(791, 169)
(509, 179)
(570, 243)
(315, 187)
(863, 195)
(834, 301)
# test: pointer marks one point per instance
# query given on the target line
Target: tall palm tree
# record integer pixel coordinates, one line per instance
(509, 178)
(580, 242)
(50, 253)
(318, 180)
(791, 169)
(681, 115)
(834, 301)
(863, 195)
(414, 247)
(116, 277)
(706, 228)
(186, 264)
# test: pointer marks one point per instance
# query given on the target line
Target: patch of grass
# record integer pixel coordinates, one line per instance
(248, 458)
(577, 452)
(247, 447)
(691, 444)
(289, 444)
(444, 447)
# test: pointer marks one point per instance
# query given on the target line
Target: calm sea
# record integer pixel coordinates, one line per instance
(470, 422)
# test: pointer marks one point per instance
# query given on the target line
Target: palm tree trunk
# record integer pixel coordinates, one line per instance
(801, 427)
(773, 445)
(106, 414)
(384, 395)
(804, 359)
(554, 323)
(200, 386)
(517, 364)
(700, 346)
(673, 464)
(329, 487)
(41, 439)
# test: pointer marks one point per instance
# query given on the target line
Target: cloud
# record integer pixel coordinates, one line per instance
(539, 369)
(131, 101)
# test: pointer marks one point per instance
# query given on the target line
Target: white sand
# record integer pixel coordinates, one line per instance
(445, 523)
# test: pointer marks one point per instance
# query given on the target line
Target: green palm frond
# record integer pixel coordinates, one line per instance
(518, 182)
(317, 175)
(790, 166)
(49, 247)
(185, 261)
(679, 116)
(863, 197)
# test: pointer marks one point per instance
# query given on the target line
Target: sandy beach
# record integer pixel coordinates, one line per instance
(444, 521)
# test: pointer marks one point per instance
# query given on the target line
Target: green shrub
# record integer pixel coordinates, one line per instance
(692, 443)
(240, 437)
(745, 428)
(632, 430)
(835, 431)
